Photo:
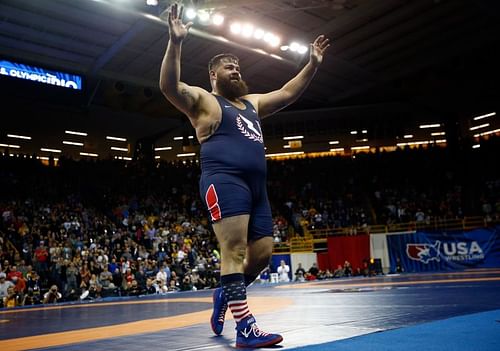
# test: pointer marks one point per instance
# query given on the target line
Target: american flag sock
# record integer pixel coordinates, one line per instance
(235, 292)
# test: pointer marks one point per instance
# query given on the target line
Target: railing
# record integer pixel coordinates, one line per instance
(313, 238)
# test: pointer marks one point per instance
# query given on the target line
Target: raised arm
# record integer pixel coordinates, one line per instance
(274, 101)
(181, 95)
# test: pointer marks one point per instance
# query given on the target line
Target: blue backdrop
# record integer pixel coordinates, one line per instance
(423, 251)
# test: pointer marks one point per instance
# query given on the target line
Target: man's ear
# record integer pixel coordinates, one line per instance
(212, 74)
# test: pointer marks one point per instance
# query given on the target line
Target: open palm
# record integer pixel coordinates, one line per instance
(318, 48)
(178, 30)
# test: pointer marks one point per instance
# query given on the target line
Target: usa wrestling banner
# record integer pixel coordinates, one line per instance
(422, 252)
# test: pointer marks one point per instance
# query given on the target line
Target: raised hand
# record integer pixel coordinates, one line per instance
(317, 49)
(178, 30)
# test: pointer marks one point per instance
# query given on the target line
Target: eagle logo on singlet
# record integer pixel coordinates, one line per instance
(249, 129)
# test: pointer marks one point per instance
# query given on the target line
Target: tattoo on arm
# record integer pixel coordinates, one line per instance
(185, 92)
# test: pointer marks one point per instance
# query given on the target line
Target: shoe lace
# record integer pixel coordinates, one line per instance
(222, 314)
(257, 332)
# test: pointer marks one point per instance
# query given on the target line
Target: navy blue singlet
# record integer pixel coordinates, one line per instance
(233, 169)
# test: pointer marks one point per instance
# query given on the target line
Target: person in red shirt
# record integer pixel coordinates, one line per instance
(14, 273)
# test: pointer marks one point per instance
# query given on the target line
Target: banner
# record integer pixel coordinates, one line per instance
(40, 75)
(420, 252)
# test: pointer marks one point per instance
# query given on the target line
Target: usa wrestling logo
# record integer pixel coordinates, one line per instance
(424, 252)
(249, 129)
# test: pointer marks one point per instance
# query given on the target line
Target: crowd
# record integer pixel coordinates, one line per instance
(90, 229)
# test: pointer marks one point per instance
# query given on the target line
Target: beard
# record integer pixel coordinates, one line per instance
(231, 89)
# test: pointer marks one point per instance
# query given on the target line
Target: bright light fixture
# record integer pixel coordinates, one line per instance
(187, 154)
(15, 136)
(10, 146)
(217, 19)
(434, 125)
(294, 46)
(115, 138)
(333, 142)
(247, 30)
(285, 154)
(408, 136)
(163, 148)
(354, 132)
(119, 148)
(338, 149)
(235, 28)
(480, 126)
(485, 116)
(50, 150)
(75, 133)
(476, 146)
(178, 138)
(293, 137)
(365, 147)
(88, 154)
(302, 49)
(191, 13)
(258, 34)
(438, 133)
(72, 143)
(203, 16)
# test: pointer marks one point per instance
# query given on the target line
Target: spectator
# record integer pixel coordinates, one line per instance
(300, 273)
(283, 271)
(52, 296)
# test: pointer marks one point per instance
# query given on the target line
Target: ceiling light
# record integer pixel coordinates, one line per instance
(365, 147)
(480, 126)
(178, 138)
(354, 132)
(115, 138)
(338, 149)
(435, 125)
(487, 133)
(293, 137)
(235, 28)
(438, 133)
(284, 47)
(476, 146)
(333, 142)
(152, 2)
(88, 154)
(364, 131)
(275, 41)
(18, 136)
(203, 16)
(286, 146)
(190, 13)
(408, 136)
(218, 19)
(268, 37)
(163, 148)
(258, 33)
(187, 154)
(10, 146)
(49, 150)
(485, 116)
(302, 49)
(75, 133)
(119, 148)
(285, 154)
(294, 46)
(157, 157)
(72, 143)
(247, 30)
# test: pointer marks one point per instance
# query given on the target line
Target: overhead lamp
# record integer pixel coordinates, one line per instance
(484, 116)
(163, 148)
(247, 30)
(480, 126)
(259, 34)
(115, 138)
(72, 143)
(438, 133)
(89, 154)
(235, 28)
(434, 125)
(408, 136)
(217, 19)
(75, 133)
(178, 138)
(338, 149)
(354, 132)
(294, 46)
(15, 136)
(285, 154)
(190, 13)
(302, 49)
(119, 148)
(293, 137)
(333, 142)
(50, 150)
(189, 154)
(203, 16)
(11, 146)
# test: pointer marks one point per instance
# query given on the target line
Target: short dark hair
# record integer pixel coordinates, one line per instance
(216, 60)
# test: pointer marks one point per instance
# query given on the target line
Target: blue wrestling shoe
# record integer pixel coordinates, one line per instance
(248, 335)
(219, 311)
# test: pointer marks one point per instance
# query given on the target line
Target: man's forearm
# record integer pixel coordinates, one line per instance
(170, 72)
(296, 86)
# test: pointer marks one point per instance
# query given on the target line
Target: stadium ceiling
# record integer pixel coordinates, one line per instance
(392, 63)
